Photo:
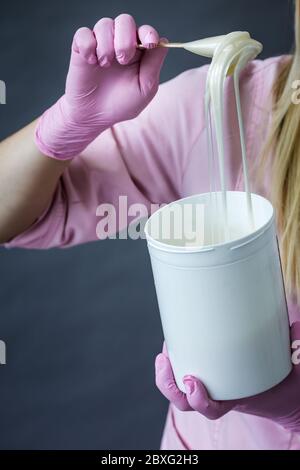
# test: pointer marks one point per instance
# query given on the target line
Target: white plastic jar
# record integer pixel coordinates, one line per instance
(223, 307)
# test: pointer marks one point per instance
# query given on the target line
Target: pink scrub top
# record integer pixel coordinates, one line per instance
(156, 158)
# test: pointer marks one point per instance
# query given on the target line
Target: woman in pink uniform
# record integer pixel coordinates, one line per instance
(116, 132)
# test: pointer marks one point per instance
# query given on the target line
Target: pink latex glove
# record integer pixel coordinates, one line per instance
(109, 81)
(280, 404)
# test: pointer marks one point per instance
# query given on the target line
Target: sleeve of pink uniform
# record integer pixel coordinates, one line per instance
(136, 162)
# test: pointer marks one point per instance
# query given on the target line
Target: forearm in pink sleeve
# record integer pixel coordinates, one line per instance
(135, 162)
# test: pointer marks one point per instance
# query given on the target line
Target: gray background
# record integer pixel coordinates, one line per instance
(81, 325)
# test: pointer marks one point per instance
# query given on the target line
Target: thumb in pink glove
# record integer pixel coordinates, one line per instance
(109, 81)
(280, 404)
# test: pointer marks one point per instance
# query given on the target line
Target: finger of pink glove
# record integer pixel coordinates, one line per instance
(148, 36)
(104, 33)
(200, 401)
(83, 69)
(125, 40)
(84, 47)
(150, 67)
(165, 382)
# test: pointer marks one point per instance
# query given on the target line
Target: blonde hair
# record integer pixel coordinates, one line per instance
(284, 144)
